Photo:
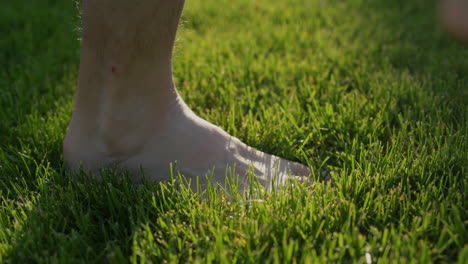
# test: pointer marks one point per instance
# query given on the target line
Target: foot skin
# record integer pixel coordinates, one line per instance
(195, 147)
(455, 19)
(129, 115)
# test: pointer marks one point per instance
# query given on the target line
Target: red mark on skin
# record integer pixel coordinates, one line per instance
(113, 69)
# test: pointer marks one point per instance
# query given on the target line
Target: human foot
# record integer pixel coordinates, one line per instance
(195, 147)
(128, 113)
(455, 19)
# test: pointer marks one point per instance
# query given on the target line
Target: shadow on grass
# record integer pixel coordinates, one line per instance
(85, 218)
(39, 57)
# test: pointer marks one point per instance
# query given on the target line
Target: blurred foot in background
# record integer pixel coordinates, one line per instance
(455, 19)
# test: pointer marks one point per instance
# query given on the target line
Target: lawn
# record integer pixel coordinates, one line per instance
(373, 90)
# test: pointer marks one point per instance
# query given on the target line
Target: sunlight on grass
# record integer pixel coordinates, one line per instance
(370, 89)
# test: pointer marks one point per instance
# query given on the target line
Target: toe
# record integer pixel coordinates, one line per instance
(298, 169)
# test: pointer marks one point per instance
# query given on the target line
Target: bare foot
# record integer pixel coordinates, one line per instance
(195, 146)
(129, 115)
(455, 19)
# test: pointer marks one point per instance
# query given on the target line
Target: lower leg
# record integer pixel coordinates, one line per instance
(125, 84)
(127, 110)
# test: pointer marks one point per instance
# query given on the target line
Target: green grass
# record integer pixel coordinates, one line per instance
(372, 89)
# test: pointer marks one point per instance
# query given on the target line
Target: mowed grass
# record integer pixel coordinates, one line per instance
(371, 89)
